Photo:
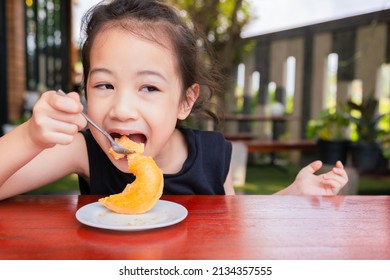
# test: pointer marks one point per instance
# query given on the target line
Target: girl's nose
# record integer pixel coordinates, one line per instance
(124, 107)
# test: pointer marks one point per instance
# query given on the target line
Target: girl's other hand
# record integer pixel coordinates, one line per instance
(308, 183)
(56, 119)
(335, 179)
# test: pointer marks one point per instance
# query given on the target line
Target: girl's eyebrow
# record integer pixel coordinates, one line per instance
(97, 70)
(151, 73)
(139, 73)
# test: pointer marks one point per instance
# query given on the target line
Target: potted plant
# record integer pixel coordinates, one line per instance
(366, 150)
(330, 129)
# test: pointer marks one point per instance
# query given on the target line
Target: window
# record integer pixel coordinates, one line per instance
(383, 95)
(290, 70)
(255, 83)
(271, 93)
(330, 86)
(239, 92)
(47, 51)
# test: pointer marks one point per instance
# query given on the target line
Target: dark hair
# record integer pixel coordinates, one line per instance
(155, 20)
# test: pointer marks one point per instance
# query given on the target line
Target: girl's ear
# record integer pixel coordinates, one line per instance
(192, 94)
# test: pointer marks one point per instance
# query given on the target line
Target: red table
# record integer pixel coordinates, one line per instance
(217, 227)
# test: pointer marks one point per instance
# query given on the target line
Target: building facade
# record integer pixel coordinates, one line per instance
(35, 52)
(361, 45)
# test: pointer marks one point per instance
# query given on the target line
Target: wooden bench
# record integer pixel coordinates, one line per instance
(240, 136)
(273, 146)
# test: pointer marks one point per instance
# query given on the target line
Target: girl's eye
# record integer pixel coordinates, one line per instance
(149, 89)
(105, 86)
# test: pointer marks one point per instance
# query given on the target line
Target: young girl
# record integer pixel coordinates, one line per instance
(142, 75)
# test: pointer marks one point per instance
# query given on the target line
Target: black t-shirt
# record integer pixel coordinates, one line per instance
(204, 171)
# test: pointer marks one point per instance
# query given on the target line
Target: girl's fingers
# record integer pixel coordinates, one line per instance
(75, 119)
(332, 187)
(55, 132)
(335, 181)
(61, 108)
(63, 127)
(69, 103)
(336, 171)
(56, 119)
(340, 172)
(311, 168)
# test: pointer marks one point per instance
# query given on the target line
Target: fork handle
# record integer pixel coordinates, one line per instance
(98, 127)
(60, 92)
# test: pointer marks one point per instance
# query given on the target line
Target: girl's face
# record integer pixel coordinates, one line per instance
(134, 89)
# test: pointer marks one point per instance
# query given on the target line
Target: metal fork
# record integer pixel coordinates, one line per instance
(115, 146)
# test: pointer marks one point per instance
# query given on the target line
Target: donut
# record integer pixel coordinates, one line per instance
(141, 195)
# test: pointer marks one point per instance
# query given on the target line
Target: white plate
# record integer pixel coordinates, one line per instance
(164, 213)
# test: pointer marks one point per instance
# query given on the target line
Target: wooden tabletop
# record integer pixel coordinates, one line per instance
(217, 227)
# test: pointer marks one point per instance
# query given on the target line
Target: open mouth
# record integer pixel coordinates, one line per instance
(136, 137)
